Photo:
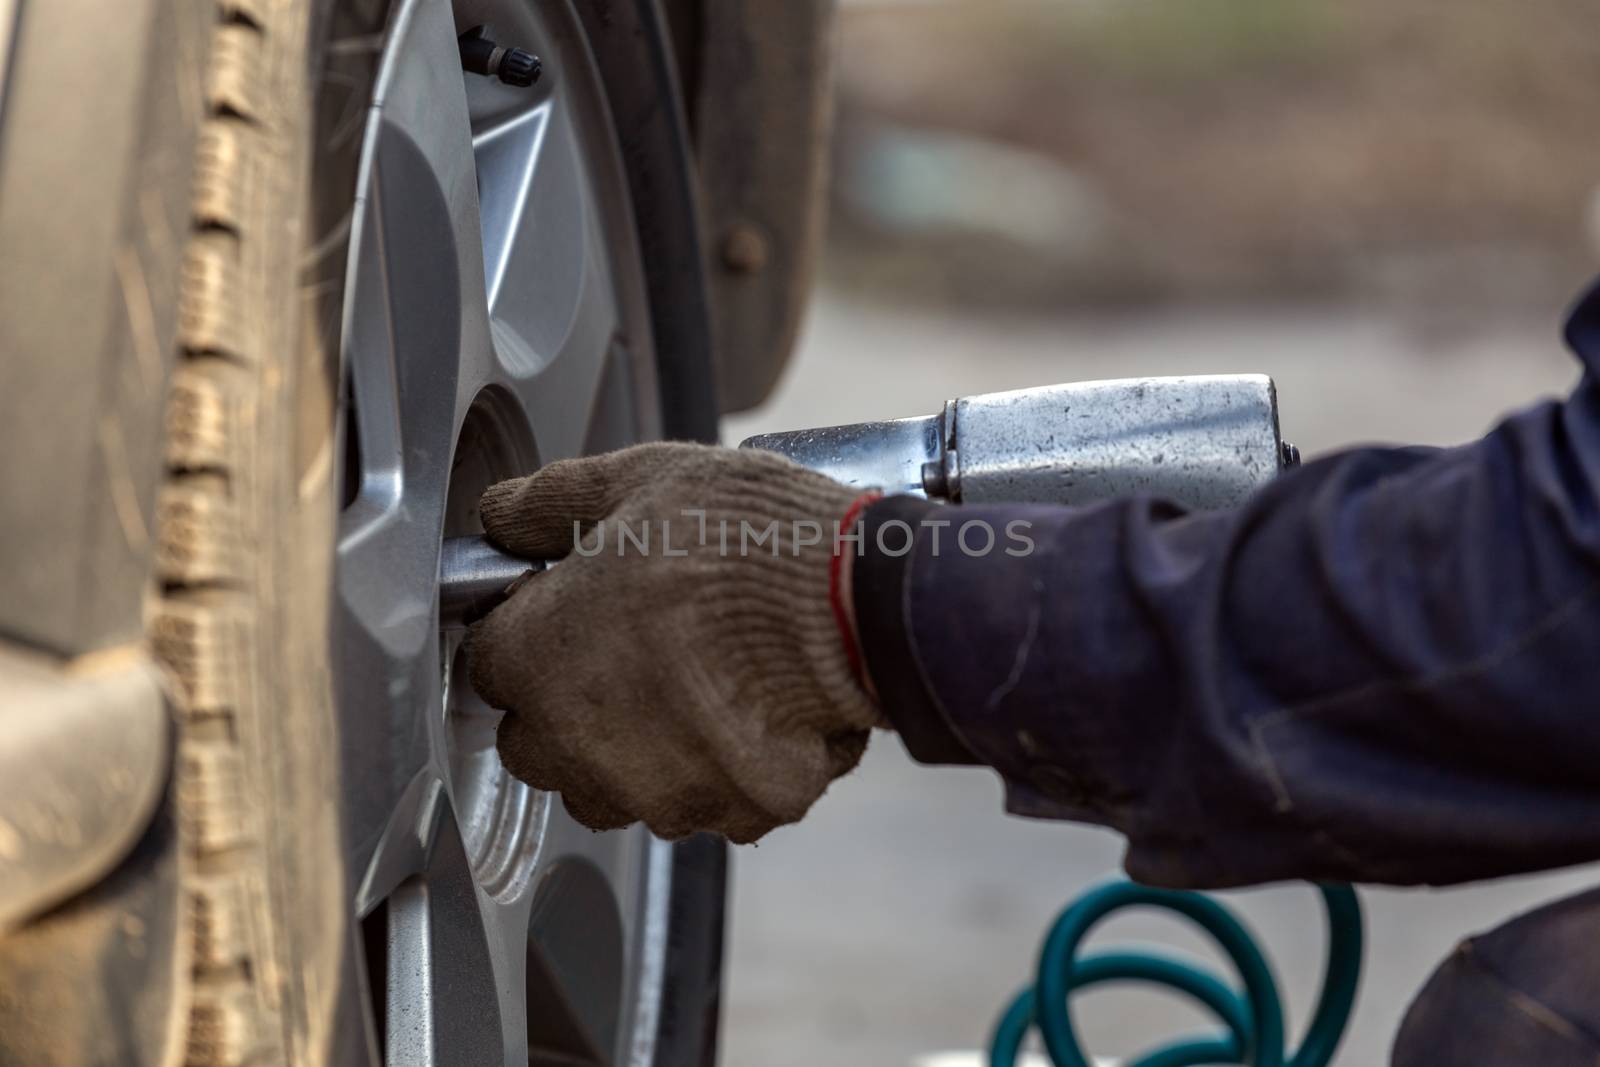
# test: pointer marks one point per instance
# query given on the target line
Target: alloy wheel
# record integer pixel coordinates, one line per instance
(495, 318)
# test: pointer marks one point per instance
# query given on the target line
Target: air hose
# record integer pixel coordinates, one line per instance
(1253, 1017)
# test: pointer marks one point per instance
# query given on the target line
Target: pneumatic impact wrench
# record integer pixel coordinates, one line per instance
(1204, 442)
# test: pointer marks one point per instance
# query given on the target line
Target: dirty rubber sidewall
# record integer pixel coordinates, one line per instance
(244, 562)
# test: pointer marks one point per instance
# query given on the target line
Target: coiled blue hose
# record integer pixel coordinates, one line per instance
(1253, 1017)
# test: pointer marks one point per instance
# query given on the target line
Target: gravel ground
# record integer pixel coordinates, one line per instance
(902, 915)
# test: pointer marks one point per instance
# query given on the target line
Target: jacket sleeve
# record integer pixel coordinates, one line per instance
(1384, 667)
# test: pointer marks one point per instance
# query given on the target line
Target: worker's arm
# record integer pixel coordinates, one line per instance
(1384, 667)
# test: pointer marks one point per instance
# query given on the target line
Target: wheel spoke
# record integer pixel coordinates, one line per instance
(508, 153)
(553, 301)
(409, 332)
(385, 625)
(421, 102)
(530, 169)
(442, 1006)
(401, 851)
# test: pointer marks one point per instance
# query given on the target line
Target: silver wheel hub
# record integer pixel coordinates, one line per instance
(494, 319)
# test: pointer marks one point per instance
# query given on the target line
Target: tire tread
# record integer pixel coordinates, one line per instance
(204, 626)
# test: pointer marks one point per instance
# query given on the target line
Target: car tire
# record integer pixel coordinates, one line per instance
(228, 935)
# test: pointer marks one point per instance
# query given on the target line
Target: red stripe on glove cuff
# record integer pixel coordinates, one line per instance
(852, 648)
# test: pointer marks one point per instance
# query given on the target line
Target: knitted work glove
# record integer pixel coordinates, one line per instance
(699, 683)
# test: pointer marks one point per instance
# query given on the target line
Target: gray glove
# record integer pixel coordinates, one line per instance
(700, 683)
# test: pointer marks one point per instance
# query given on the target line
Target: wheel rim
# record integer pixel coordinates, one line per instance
(494, 318)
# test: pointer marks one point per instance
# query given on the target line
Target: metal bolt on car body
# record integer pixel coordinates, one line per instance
(514, 66)
(745, 249)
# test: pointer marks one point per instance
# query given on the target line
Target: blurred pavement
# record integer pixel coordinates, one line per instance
(904, 913)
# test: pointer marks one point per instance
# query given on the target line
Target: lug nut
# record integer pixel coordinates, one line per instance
(514, 66)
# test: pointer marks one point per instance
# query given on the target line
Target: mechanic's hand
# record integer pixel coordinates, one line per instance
(701, 683)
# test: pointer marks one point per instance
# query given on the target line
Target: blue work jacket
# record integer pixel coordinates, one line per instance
(1383, 667)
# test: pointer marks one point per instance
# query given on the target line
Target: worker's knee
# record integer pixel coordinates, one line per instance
(1527, 992)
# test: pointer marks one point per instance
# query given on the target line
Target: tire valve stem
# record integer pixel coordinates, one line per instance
(514, 66)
